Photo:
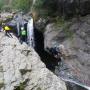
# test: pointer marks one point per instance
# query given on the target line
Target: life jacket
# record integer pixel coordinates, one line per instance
(6, 28)
(23, 32)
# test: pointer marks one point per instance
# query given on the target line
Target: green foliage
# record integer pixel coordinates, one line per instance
(21, 87)
(39, 4)
(68, 32)
(23, 5)
(59, 21)
(7, 8)
(39, 88)
(46, 8)
(1, 4)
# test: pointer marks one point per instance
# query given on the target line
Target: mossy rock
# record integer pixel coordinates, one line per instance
(20, 87)
(39, 88)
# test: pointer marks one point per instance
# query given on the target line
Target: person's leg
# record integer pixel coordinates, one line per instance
(26, 39)
(6, 33)
(20, 39)
(9, 33)
(23, 38)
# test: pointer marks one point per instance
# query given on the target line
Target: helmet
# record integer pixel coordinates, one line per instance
(22, 28)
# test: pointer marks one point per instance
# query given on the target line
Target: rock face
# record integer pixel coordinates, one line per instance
(75, 37)
(40, 24)
(4, 16)
(22, 69)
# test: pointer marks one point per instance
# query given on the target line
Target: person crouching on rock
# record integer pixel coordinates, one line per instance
(7, 30)
(23, 35)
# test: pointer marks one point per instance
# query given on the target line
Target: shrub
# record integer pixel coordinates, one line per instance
(44, 7)
(6, 8)
(59, 21)
(1, 4)
(23, 5)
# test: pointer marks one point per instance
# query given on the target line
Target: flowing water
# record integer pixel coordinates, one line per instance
(30, 33)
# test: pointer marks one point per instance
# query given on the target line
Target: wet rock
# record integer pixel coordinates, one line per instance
(21, 67)
(41, 23)
(4, 16)
(76, 58)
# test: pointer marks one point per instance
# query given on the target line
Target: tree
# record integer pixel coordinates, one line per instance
(1, 4)
(46, 7)
(23, 5)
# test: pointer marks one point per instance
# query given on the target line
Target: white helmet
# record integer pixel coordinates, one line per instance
(22, 28)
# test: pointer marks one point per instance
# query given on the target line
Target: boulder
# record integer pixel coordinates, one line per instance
(41, 24)
(22, 69)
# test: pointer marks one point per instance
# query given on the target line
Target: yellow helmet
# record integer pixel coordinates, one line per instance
(7, 28)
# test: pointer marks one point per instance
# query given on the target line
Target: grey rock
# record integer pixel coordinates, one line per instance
(76, 47)
(20, 66)
(41, 23)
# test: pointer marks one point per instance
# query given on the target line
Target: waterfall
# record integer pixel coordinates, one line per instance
(30, 33)
(30, 29)
(19, 22)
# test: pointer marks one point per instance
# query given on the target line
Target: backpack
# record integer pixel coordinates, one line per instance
(23, 32)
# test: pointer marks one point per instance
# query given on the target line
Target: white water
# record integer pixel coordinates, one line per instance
(68, 80)
(19, 22)
(30, 33)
